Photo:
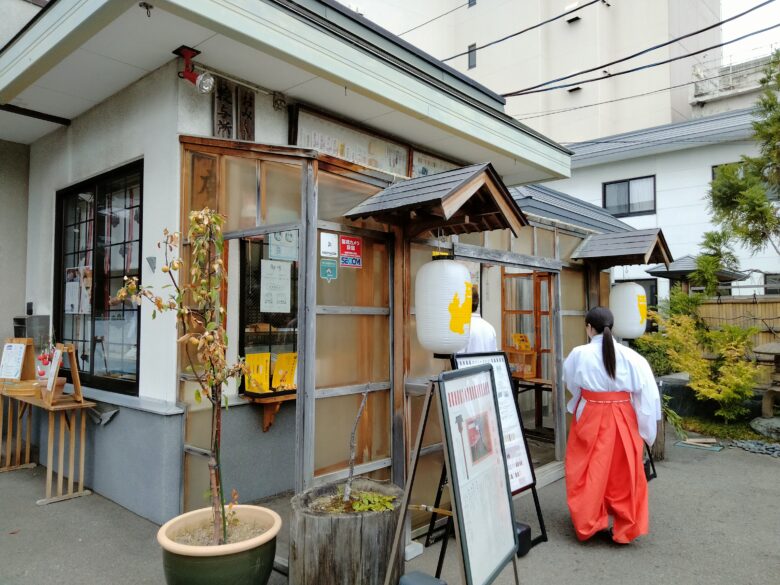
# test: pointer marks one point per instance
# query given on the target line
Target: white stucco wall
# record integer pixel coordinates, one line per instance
(682, 182)
(139, 122)
(14, 165)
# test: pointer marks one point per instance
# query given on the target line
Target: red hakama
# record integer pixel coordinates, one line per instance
(604, 468)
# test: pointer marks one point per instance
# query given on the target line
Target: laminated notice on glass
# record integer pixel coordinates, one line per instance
(283, 245)
(275, 286)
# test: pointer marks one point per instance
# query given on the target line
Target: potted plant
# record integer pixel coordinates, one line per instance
(342, 532)
(226, 543)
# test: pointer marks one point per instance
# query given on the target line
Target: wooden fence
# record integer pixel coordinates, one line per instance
(761, 312)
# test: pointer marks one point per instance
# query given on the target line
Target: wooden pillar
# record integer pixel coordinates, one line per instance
(401, 308)
(594, 285)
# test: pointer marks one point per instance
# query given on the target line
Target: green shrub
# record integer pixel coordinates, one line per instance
(654, 347)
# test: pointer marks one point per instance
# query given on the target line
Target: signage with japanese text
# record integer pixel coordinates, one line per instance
(351, 251)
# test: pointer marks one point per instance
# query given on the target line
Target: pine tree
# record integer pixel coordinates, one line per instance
(743, 196)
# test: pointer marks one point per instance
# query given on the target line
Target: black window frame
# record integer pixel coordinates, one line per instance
(118, 386)
(472, 56)
(630, 213)
(774, 287)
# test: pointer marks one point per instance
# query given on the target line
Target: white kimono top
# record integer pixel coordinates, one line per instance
(584, 368)
(482, 337)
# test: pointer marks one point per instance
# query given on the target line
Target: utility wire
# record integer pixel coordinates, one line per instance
(642, 67)
(525, 30)
(433, 19)
(640, 53)
(541, 114)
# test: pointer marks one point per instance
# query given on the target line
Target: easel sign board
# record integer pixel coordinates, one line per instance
(518, 461)
(476, 465)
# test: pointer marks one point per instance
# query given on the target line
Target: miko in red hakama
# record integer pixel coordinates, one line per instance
(613, 418)
(604, 469)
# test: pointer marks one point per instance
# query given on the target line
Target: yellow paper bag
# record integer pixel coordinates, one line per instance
(259, 365)
(285, 371)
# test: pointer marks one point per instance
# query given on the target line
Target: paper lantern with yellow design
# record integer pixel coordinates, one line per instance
(628, 303)
(442, 303)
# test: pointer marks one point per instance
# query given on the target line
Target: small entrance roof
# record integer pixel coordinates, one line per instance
(460, 201)
(625, 248)
(682, 268)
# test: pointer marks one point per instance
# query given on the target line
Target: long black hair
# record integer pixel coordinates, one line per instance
(602, 320)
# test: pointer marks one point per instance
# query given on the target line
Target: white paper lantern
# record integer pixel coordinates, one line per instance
(628, 303)
(443, 306)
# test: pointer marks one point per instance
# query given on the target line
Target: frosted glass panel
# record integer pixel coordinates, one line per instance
(352, 349)
(334, 420)
(337, 195)
(572, 290)
(281, 188)
(241, 189)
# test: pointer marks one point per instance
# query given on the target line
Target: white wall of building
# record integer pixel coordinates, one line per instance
(601, 35)
(139, 122)
(14, 169)
(682, 182)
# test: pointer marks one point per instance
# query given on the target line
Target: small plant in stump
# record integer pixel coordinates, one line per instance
(196, 303)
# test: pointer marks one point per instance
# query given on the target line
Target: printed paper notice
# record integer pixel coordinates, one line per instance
(283, 245)
(13, 357)
(275, 286)
(329, 245)
(517, 460)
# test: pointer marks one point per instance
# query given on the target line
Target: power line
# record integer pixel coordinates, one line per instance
(525, 30)
(541, 114)
(433, 19)
(642, 67)
(640, 53)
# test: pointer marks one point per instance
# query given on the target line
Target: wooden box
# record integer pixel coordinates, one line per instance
(523, 362)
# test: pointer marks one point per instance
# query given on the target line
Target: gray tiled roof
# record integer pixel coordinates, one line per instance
(412, 192)
(684, 265)
(550, 204)
(636, 244)
(728, 126)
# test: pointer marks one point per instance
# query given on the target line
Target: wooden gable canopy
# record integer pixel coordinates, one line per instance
(625, 248)
(461, 201)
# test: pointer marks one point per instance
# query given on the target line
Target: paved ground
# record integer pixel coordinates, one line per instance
(715, 519)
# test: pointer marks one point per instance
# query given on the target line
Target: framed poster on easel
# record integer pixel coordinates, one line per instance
(518, 460)
(475, 459)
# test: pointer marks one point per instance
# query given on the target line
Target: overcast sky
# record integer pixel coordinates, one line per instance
(755, 46)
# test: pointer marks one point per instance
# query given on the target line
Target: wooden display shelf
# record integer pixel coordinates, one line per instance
(271, 405)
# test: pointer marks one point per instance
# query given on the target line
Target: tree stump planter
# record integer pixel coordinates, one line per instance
(241, 563)
(343, 547)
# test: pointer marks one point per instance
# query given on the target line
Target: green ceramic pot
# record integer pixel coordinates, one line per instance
(242, 563)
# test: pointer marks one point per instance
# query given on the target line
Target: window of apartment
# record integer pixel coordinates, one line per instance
(772, 192)
(772, 279)
(630, 196)
(472, 56)
(98, 245)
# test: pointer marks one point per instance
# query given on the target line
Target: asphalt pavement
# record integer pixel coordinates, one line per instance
(714, 519)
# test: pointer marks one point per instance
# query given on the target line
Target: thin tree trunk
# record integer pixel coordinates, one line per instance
(352, 446)
(214, 471)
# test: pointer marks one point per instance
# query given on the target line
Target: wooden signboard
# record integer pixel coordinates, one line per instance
(52, 393)
(476, 465)
(17, 368)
